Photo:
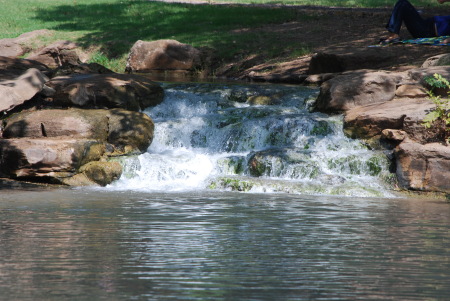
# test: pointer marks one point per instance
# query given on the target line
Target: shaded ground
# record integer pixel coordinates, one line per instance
(331, 30)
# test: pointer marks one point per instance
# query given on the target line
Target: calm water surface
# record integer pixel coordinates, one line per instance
(98, 245)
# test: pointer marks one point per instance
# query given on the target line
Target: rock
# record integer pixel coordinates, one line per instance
(395, 135)
(11, 68)
(126, 131)
(56, 54)
(419, 74)
(16, 47)
(132, 129)
(85, 68)
(43, 157)
(15, 92)
(162, 55)
(102, 173)
(411, 91)
(423, 167)
(271, 162)
(131, 92)
(318, 79)
(51, 123)
(262, 100)
(368, 58)
(437, 60)
(369, 121)
(357, 88)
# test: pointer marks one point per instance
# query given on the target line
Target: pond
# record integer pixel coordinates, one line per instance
(244, 194)
(86, 244)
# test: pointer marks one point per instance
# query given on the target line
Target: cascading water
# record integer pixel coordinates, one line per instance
(256, 138)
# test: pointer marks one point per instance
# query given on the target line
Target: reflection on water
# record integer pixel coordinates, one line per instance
(90, 245)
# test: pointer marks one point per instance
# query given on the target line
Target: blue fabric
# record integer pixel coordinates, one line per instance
(417, 26)
(442, 25)
(436, 41)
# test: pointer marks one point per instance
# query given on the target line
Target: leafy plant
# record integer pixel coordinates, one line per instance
(440, 116)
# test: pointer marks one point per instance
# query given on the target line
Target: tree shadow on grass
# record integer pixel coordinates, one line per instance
(116, 26)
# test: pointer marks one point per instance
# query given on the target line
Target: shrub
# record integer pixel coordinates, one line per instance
(440, 116)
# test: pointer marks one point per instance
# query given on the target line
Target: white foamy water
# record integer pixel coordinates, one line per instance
(208, 137)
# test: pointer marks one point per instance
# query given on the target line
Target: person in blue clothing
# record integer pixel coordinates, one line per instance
(418, 27)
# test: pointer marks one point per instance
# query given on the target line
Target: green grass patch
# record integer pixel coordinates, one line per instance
(111, 27)
(333, 3)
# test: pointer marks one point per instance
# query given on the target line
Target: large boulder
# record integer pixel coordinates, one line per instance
(130, 132)
(162, 55)
(131, 92)
(125, 131)
(370, 120)
(95, 173)
(437, 60)
(357, 88)
(56, 54)
(340, 61)
(51, 123)
(423, 167)
(12, 67)
(15, 92)
(418, 74)
(43, 157)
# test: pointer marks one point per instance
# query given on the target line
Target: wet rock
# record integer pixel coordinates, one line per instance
(102, 173)
(262, 100)
(280, 162)
(15, 92)
(423, 167)
(131, 92)
(162, 55)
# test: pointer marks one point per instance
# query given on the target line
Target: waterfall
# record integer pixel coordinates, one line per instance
(253, 138)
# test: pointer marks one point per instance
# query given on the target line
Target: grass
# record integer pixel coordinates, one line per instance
(333, 3)
(112, 26)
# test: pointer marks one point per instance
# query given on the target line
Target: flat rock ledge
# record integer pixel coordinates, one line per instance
(387, 109)
(64, 126)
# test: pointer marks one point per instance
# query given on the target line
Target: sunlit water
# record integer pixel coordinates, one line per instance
(90, 245)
